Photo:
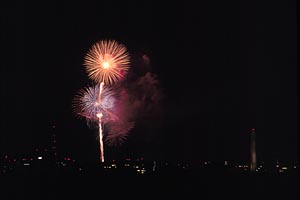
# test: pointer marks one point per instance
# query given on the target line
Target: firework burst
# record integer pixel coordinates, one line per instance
(87, 104)
(118, 133)
(107, 61)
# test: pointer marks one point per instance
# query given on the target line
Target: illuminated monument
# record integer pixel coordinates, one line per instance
(252, 150)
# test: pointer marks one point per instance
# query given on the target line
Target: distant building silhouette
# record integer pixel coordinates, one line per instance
(53, 144)
(252, 150)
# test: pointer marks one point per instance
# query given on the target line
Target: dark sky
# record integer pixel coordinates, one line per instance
(224, 68)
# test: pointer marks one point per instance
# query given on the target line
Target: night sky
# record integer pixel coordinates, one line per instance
(223, 68)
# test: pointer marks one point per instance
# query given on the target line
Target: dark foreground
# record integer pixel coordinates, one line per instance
(97, 184)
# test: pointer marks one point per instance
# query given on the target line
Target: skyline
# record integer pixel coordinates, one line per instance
(222, 70)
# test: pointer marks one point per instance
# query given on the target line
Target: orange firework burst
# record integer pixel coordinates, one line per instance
(107, 61)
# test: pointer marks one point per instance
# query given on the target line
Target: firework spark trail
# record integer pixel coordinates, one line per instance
(99, 115)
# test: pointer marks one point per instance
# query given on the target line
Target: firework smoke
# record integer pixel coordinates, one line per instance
(139, 103)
